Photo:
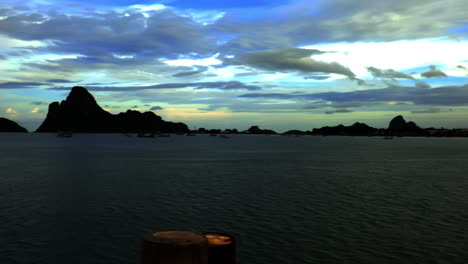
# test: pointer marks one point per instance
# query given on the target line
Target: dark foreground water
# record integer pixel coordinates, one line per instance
(91, 198)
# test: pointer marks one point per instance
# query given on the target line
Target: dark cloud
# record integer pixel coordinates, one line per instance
(273, 96)
(245, 74)
(98, 36)
(303, 23)
(445, 96)
(317, 77)
(323, 104)
(291, 59)
(59, 81)
(427, 111)
(388, 73)
(20, 85)
(421, 84)
(154, 108)
(461, 67)
(38, 103)
(338, 111)
(231, 85)
(187, 73)
(433, 73)
(135, 106)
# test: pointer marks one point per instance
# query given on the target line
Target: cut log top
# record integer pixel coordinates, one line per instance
(218, 239)
(176, 238)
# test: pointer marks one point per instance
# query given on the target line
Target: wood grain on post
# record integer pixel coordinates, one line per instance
(221, 248)
(174, 247)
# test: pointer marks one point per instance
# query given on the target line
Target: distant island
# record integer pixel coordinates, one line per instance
(81, 113)
(7, 125)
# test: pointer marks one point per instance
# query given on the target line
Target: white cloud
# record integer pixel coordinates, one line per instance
(9, 43)
(36, 110)
(397, 55)
(148, 8)
(210, 61)
(123, 56)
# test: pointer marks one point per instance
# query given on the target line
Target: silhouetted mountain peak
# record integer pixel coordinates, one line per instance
(397, 123)
(81, 113)
(79, 93)
(6, 125)
(257, 130)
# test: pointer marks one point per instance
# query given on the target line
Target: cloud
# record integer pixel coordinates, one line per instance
(100, 35)
(338, 111)
(36, 110)
(454, 95)
(154, 108)
(291, 59)
(38, 103)
(322, 104)
(422, 85)
(428, 111)
(59, 81)
(392, 20)
(187, 73)
(10, 111)
(20, 85)
(388, 74)
(461, 67)
(317, 77)
(231, 85)
(433, 73)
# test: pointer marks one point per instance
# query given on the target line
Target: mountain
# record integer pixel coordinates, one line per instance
(357, 129)
(81, 113)
(7, 125)
(257, 130)
(399, 126)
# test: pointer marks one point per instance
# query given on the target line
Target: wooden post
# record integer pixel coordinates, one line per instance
(174, 247)
(221, 248)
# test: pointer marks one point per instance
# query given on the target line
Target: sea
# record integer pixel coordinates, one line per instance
(311, 199)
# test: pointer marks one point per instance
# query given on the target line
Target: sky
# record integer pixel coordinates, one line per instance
(279, 64)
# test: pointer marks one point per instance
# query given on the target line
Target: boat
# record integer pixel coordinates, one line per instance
(146, 135)
(223, 136)
(190, 135)
(213, 135)
(164, 135)
(388, 137)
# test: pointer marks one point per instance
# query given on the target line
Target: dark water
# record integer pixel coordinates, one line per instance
(91, 198)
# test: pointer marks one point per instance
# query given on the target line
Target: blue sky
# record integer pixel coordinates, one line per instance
(285, 64)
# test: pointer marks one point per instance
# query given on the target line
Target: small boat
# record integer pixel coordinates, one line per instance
(223, 136)
(213, 135)
(388, 137)
(190, 135)
(164, 135)
(146, 135)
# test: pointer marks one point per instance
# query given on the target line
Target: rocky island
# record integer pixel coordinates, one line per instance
(81, 113)
(7, 125)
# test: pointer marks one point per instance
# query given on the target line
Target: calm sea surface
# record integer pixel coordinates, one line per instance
(91, 198)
